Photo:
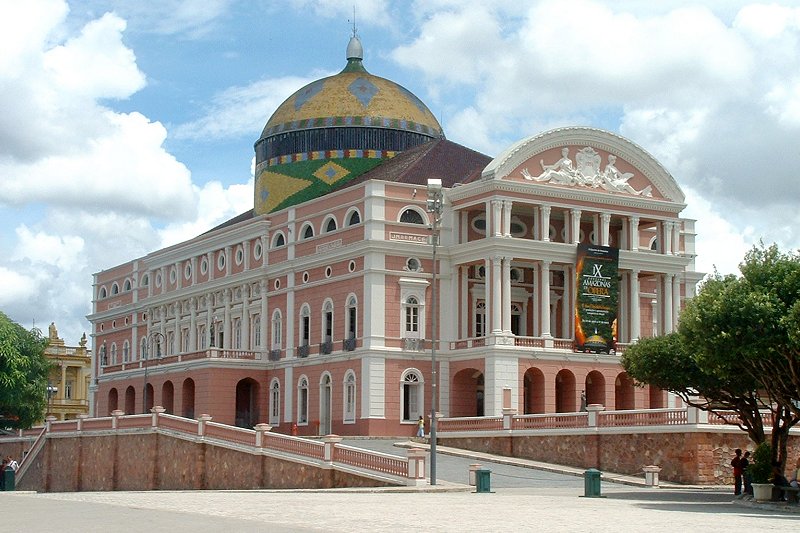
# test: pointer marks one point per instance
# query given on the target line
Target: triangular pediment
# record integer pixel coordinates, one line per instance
(586, 159)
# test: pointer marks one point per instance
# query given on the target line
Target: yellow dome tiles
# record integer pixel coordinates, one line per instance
(347, 97)
(273, 189)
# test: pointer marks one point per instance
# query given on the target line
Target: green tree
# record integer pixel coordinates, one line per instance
(736, 346)
(668, 363)
(23, 374)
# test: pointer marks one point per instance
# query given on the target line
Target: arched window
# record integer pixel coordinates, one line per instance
(126, 351)
(237, 334)
(307, 232)
(412, 395)
(103, 292)
(327, 322)
(305, 325)
(350, 397)
(302, 401)
(113, 353)
(103, 355)
(330, 225)
(127, 285)
(411, 216)
(275, 402)
(202, 339)
(354, 219)
(412, 318)
(114, 288)
(277, 327)
(351, 317)
(278, 240)
(256, 329)
(480, 319)
(143, 348)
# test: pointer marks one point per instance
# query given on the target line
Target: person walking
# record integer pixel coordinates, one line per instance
(736, 463)
(421, 427)
(748, 486)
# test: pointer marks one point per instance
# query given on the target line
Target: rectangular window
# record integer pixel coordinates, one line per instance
(303, 407)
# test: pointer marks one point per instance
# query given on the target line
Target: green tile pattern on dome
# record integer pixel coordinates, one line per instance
(282, 185)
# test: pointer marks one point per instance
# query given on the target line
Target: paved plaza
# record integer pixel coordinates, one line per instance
(524, 499)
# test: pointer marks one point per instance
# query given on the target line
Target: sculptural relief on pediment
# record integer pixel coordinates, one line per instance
(587, 171)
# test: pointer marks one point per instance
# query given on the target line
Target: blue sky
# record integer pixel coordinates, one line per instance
(128, 126)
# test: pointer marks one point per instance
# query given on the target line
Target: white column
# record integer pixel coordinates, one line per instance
(623, 328)
(246, 255)
(566, 304)
(178, 275)
(536, 304)
(668, 312)
(507, 295)
(544, 290)
(545, 225)
(489, 222)
(497, 288)
(226, 325)
(497, 206)
(575, 225)
(245, 317)
(262, 292)
(676, 237)
(194, 270)
(676, 301)
(212, 265)
(176, 347)
(554, 299)
(228, 261)
(192, 322)
(666, 230)
(634, 234)
(654, 314)
(595, 228)
(463, 274)
(636, 319)
(209, 318)
(162, 325)
(605, 220)
(507, 217)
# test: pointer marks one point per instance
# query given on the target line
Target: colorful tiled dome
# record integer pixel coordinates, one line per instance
(354, 118)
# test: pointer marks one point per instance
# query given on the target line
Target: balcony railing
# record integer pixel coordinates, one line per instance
(349, 345)
(325, 347)
(303, 351)
(275, 355)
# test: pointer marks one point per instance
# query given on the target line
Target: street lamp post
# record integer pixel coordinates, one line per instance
(51, 391)
(159, 338)
(435, 207)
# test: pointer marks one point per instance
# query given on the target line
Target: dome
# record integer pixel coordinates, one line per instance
(351, 115)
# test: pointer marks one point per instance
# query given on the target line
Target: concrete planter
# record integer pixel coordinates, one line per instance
(762, 492)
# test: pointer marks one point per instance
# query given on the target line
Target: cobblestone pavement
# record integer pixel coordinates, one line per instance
(524, 499)
(542, 509)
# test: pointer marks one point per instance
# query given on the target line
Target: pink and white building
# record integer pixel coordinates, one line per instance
(313, 312)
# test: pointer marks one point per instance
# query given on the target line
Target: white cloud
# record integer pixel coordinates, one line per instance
(239, 111)
(87, 182)
(192, 19)
(375, 12)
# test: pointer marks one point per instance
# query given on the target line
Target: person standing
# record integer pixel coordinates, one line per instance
(736, 463)
(748, 487)
(421, 427)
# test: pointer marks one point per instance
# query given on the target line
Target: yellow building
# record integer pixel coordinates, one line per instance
(68, 380)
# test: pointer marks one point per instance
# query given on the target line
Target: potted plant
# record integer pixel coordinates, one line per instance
(760, 472)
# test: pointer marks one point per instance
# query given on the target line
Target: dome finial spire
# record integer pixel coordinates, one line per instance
(355, 52)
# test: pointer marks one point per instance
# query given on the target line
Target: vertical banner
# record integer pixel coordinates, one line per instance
(596, 299)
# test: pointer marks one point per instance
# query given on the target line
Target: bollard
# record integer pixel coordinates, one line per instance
(474, 467)
(651, 475)
(482, 480)
(591, 483)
